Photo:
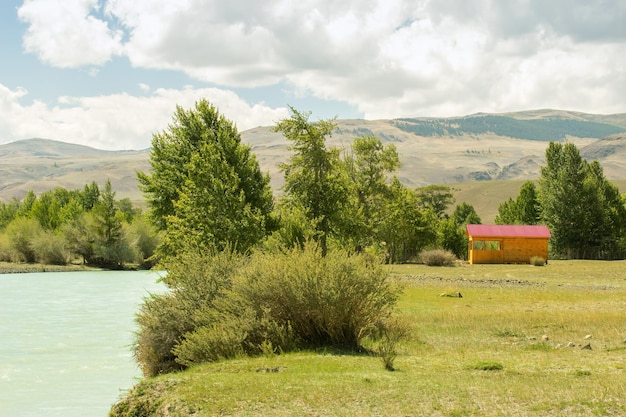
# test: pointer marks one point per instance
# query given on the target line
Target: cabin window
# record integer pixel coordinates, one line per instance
(487, 245)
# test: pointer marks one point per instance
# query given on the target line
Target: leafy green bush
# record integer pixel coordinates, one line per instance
(20, 233)
(50, 248)
(221, 307)
(328, 301)
(5, 249)
(195, 281)
(437, 257)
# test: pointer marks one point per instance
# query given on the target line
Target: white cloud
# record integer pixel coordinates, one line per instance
(64, 33)
(119, 121)
(387, 58)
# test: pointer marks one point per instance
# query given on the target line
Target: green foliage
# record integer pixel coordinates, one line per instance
(437, 257)
(20, 233)
(464, 214)
(583, 210)
(8, 211)
(406, 228)
(452, 237)
(314, 179)
(5, 249)
(436, 198)
(222, 306)
(195, 281)
(368, 166)
(327, 301)
(294, 227)
(205, 187)
(81, 236)
(56, 226)
(50, 248)
(525, 209)
(555, 128)
(145, 238)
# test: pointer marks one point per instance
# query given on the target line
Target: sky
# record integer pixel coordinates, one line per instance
(110, 73)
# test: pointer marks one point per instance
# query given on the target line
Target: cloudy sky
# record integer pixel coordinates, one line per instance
(109, 73)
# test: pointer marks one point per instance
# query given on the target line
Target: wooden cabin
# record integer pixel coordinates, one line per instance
(502, 244)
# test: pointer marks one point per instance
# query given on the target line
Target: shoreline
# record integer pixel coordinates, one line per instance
(25, 268)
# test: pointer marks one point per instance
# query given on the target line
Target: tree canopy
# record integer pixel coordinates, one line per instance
(206, 187)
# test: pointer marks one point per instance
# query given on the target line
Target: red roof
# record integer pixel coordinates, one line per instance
(508, 230)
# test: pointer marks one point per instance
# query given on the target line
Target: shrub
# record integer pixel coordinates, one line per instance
(437, 257)
(221, 307)
(50, 248)
(5, 249)
(537, 261)
(20, 234)
(327, 301)
(195, 281)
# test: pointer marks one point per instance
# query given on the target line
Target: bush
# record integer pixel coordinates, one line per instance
(20, 234)
(195, 281)
(5, 249)
(327, 301)
(50, 248)
(221, 307)
(537, 261)
(437, 257)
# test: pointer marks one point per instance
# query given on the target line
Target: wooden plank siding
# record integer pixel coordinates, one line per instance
(491, 244)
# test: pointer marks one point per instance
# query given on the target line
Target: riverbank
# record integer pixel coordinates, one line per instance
(21, 268)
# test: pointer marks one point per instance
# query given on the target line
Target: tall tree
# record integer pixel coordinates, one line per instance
(368, 165)
(206, 187)
(580, 206)
(314, 179)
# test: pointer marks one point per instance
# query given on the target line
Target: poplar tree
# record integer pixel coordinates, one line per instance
(582, 209)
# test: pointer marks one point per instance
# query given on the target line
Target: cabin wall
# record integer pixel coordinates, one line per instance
(511, 250)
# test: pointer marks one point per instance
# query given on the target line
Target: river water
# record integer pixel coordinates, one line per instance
(65, 340)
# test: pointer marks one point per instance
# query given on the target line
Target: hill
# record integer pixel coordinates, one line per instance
(42, 164)
(479, 148)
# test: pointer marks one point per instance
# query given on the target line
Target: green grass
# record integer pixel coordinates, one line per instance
(480, 355)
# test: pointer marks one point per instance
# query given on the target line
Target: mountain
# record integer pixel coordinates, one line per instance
(478, 147)
(42, 164)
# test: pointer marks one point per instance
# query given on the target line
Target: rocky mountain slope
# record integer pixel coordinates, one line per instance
(480, 147)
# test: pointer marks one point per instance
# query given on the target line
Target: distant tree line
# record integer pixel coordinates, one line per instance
(536, 129)
(90, 226)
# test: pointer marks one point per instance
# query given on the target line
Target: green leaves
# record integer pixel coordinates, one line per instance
(206, 188)
(583, 210)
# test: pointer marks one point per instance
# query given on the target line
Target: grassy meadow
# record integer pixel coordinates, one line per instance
(514, 344)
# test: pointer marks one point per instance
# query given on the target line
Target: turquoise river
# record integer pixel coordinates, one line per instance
(65, 340)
